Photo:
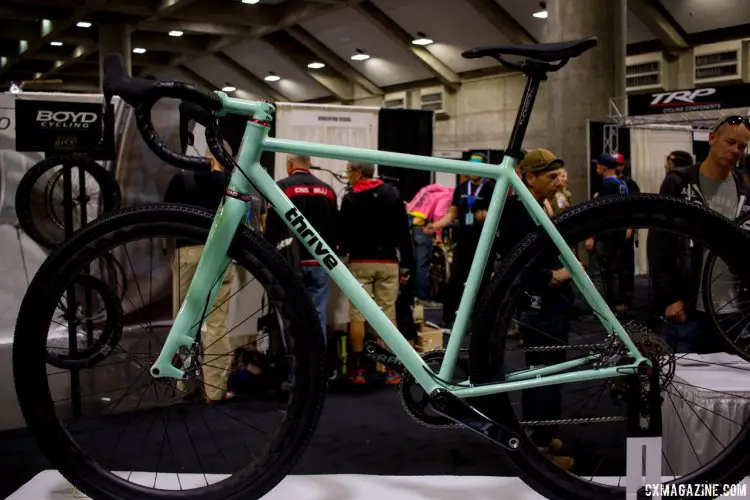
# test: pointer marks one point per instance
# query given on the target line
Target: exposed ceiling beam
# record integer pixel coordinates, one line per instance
(195, 28)
(29, 12)
(300, 56)
(288, 14)
(79, 53)
(259, 84)
(332, 59)
(161, 43)
(18, 30)
(660, 23)
(231, 13)
(378, 18)
(166, 7)
(199, 80)
(503, 21)
(50, 31)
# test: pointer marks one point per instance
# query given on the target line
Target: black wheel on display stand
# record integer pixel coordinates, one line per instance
(57, 197)
(41, 202)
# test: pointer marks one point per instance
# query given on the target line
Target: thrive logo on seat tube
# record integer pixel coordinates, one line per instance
(316, 246)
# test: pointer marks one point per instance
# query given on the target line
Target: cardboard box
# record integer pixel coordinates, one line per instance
(430, 339)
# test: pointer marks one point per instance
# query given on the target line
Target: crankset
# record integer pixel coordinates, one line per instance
(451, 407)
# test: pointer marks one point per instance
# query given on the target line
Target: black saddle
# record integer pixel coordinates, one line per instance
(547, 52)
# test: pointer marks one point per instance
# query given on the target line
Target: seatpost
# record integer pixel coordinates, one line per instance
(536, 73)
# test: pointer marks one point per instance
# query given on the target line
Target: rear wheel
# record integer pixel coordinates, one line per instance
(493, 358)
(173, 442)
(730, 313)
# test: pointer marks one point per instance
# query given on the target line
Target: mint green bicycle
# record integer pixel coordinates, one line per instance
(478, 402)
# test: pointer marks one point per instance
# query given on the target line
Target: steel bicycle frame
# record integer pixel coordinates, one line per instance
(201, 295)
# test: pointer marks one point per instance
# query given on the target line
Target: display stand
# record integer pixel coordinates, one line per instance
(643, 449)
(54, 128)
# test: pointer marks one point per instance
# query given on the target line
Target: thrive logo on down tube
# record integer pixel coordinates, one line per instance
(316, 246)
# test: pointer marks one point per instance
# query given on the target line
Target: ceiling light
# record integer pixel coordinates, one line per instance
(139, 50)
(422, 39)
(316, 65)
(251, 2)
(360, 56)
(272, 77)
(542, 14)
(228, 88)
(56, 44)
(175, 33)
(83, 24)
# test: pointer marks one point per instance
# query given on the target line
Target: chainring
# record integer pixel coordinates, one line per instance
(415, 400)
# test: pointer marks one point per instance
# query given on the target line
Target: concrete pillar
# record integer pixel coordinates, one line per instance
(114, 37)
(583, 88)
(680, 72)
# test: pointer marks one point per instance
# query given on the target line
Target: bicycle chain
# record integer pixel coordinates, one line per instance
(581, 347)
(572, 421)
(532, 423)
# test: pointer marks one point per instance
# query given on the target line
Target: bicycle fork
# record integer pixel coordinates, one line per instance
(204, 287)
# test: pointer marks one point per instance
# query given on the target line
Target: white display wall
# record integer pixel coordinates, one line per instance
(351, 126)
(649, 147)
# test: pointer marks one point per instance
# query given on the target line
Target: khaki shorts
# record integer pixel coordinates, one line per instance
(217, 353)
(380, 280)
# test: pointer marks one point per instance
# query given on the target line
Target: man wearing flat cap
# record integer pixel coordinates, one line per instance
(543, 312)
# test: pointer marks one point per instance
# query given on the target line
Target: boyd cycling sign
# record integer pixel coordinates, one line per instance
(682, 101)
(55, 127)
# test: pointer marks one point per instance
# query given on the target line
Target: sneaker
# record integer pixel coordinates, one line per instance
(357, 377)
(392, 378)
(550, 451)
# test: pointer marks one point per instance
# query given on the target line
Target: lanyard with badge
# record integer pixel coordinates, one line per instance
(470, 200)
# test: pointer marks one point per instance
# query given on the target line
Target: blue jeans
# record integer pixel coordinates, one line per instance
(316, 283)
(422, 257)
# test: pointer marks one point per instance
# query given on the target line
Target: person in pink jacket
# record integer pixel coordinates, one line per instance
(430, 204)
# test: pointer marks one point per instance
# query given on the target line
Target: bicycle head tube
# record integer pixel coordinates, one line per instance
(258, 111)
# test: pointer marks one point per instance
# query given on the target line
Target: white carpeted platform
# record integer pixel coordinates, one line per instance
(50, 485)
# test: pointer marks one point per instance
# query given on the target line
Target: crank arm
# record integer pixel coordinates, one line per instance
(464, 414)
(380, 354)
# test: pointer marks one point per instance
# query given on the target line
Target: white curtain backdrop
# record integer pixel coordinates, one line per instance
(351, 126)
(649, 146)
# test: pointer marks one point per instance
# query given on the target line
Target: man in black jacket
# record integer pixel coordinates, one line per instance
(375, 235)
(317, 202)
(546, 300)
(676, 264)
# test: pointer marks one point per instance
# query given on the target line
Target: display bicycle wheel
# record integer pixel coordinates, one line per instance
(40, 198)
(145, 438)
(727, 301)
(575, 433)
(95, 307)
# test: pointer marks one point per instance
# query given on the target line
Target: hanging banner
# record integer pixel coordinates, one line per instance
(56, 127)
(683, 101)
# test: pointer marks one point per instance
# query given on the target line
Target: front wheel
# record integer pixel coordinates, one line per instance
(246, 413)
(575, 434)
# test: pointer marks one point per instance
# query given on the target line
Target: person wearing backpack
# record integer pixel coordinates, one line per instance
(607, 249)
